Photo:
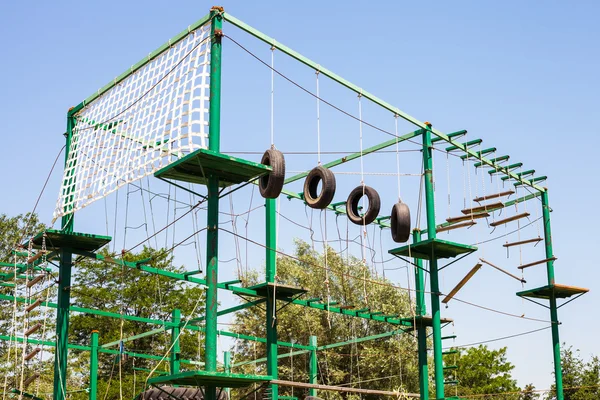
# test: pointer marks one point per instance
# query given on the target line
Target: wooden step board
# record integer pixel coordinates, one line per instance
(510, 219)
(502, 270)
(531, 264)
(462, 283)
(494, 196)
(453, 220)
(484, 208)
(520, 242)
(445, 228)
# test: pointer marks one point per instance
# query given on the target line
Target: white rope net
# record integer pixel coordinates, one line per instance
(157, 114)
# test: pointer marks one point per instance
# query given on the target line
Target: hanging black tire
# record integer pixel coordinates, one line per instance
(184, 393)
(400, 222)
(352, 205)
(270, 185)
(311, 184)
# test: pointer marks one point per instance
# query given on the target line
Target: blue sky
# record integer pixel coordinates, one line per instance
(520, 75)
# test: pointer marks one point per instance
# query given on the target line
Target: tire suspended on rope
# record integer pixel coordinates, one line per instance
(400, 222)
(311, 196)
(352, 205)
(170, 393)
(270, 185)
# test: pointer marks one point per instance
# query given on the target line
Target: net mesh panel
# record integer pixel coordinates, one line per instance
(154, 116)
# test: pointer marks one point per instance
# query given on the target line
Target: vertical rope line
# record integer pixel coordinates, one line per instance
(448, 180)
(397, 155)
(362, 182)
(272, 96)
(318, 121)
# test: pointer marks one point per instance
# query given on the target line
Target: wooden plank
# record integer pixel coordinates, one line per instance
(486, 207)
(502, 270)
(494, 196)
(534, 240)
(531, 264)
(467, 217)
(462, 283)
(510, 219)
(455, 226)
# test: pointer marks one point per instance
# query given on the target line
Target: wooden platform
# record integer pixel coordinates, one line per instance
(196, 167)
(204, 378)
(266, 289)
(560, 292)
(430, 248)
(56, 239)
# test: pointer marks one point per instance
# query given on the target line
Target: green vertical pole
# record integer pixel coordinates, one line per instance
(174, 363)
(553, 309)
(64, 292)
(227, 368)
(212, 235)
(420, 309)
(94, 366)
(433, 265)
(312, 377)
(270, 271)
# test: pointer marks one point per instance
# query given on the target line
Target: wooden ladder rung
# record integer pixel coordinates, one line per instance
(531, 264)
(33, 329)
(33, 305)
(462, 218)
(461, 283)
(36, 256)
(35, 280)
(30, 379)
(32, 354)
(510, 219)
(486, 207)
(494, 196)
(534, 240)
(455, 226)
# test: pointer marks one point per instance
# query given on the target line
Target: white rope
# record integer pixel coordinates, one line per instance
(318, 121)
(397, 156)
(272, 97)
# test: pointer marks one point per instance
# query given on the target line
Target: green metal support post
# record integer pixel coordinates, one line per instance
(94, 366)
(314, 366)
(64, 291)
(227, 369)
(212, 235)
(270, 272)
(433, 265)
(174, 363)
(420, 309)
(553, 309)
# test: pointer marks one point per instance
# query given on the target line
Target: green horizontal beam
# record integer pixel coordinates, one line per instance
(524, 173)
(466, 144)
(493, 160)
(263, 359)
(175, 39)
(480, 153)
(534, 180)
(231, 309)
(356, 155)
(506, 169)
(363, 339)
(522, 199)
(454, 135)
(358, 90)
(134, 337)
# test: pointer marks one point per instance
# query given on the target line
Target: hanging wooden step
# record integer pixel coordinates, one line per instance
(33, 329)
(35, 280)
(445, 228)
(531, 264)
(510, 219)
(520, 242)
(502, 270)
(494, 196)
(484, 208)
(461, 283)
(32, 259)
(30, 379)
(33, 305)
(468, 217)
(33, 353)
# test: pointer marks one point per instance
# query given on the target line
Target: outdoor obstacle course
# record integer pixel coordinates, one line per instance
(161, 120)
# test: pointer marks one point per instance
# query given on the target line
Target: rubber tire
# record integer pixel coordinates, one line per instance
(270, 185)
(327, 179)
(400, 222)
(184, 393)
(352, 205)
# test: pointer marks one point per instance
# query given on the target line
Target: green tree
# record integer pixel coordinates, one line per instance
(483, 371)
(581, 379)
(529, 393)
(387, 364)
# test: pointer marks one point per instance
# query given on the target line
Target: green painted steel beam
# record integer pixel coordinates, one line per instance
(470, 143)
(356, 155)
(135, 67)
(175, 353)
(534, 180)
(356, 89)
(313, 367)
(493, 160)
(480, 153)
(134, 337)
(507, 169)
(420, 310)
(363, 339)
(264, 359)
(453, 135)
(524, 173)
(93, 389)
(231, 309)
